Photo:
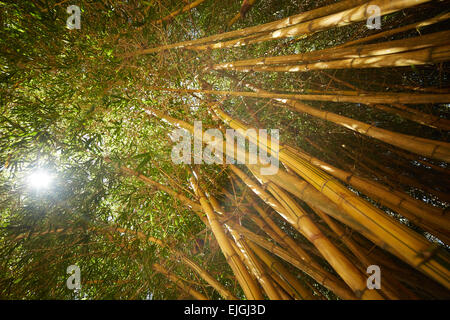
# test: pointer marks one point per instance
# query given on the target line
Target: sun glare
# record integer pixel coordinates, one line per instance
(40, 179)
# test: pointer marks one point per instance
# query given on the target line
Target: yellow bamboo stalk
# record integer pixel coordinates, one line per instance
(426, 147)
(276, 282)
(307, 193)
(340, 263)
(339, 19)
(290, 283)
(247, 284)
(285, 239)
(430, 55)
(255, 266)
(297, 251)
(246, 253)
(363, 51)
(173, 14)
(179, 282)
(275, 25)
(407, 244)
(266, 228)
(429, 148)
(322, 277)
(388, 33)
(403, 111)
(265, 196)
(366, 97)
(416, 211)
(239, 14)
(357, 251)
(422, 118)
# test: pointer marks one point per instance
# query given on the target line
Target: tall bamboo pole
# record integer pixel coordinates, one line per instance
(439, 18)
(430, 55)
(250, 288)
(179, 282)
(237, 16)
(407, 244)
(353, 52)
(305, 225)
(173, 14)
(322, 277)
(419, 213)
(240, 245)
(426, 147)
(254, 265)
(275, 25)
(339, 19)
(290, 283)
(369, 97)
(357, 252)
(307, 193)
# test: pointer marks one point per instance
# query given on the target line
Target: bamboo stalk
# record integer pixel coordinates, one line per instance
(428, 148)
(301, 221)
(339, 19)
(250, 288)
(265, 196)
(249, 259)
(255, 266)
(365, 98)
(401, 178)
(276, 282)
(267, 229)
(422, 118)
(430, 55)
(307, 193)
(322, 277)
(291, 245)
(364, 51)
(275, 25)
(416, 211)
(408, 245)
(357, 252)
(179, 282)
(298, 251)
(290, 283)
(388, 33)
(173, 14)
(238, 15)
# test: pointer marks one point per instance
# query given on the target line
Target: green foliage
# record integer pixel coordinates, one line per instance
(70, 98)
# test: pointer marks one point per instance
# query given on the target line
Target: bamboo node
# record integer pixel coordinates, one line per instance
(427, 254)
(434, 150)
(360, 293)
(316, 236)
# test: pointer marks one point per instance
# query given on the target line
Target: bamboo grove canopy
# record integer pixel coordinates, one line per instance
(88, 117)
